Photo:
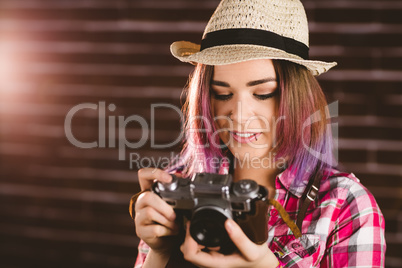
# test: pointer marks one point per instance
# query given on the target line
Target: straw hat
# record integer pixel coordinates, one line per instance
(241, 30)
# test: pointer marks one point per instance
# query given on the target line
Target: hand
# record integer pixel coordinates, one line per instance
(249, 254)
(154, 218)
(147, 176)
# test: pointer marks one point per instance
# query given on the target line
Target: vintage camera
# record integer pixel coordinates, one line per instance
(207, 200)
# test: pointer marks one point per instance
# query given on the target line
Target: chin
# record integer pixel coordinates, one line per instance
(247, 153)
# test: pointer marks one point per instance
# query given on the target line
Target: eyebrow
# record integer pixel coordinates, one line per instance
(249, 84)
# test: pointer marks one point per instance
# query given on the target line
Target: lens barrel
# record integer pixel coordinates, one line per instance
(208, 227)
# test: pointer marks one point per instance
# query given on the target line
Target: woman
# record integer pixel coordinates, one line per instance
(254, 105)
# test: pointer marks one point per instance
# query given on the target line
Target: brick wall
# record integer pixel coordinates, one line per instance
(64, 206)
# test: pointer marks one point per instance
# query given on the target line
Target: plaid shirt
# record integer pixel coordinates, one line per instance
(344, 227)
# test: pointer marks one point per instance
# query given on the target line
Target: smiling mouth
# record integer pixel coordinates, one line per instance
(244, 137)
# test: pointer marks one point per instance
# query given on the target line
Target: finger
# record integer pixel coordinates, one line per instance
(193, 253)
(247, 248)
(149, 216)
(146, 177)
(213, 248)
(190, 246)
(179, 175)
(147, 232)
(149, 199)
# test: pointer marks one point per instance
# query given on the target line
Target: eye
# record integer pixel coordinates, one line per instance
(266, 96)
(222, 97)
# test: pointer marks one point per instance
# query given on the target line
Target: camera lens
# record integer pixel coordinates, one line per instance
(208, 227)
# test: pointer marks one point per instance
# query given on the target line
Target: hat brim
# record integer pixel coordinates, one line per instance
(228, 54)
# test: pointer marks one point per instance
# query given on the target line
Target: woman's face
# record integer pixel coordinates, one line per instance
(244, 105)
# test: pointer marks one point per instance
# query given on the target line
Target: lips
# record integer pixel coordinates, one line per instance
(244, 137)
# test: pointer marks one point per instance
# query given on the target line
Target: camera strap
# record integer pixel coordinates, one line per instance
(309, 195)
(285, 217)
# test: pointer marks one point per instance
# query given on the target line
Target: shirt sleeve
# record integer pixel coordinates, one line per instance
(358, 237)
(143, 250)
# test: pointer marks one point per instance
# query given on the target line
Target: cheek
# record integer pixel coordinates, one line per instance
(216, 109)
(221, 122)
(218, 114)
(223, 125)
(264, 118)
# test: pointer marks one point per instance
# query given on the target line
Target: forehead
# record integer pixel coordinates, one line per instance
(245, 71)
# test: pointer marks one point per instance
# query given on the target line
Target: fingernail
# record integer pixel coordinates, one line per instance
(167, 177)
(230, 225)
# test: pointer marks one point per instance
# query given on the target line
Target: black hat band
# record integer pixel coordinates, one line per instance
(248, 36)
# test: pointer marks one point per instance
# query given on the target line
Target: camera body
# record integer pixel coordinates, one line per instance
(208, 199)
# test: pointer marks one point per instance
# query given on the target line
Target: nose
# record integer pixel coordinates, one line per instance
(241, 112)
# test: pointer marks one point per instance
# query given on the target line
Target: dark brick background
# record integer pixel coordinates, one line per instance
(63, 206)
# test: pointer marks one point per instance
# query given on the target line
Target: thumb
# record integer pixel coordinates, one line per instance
(246, 247)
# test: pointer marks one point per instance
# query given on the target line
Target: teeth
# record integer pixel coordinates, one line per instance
(245, 135)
